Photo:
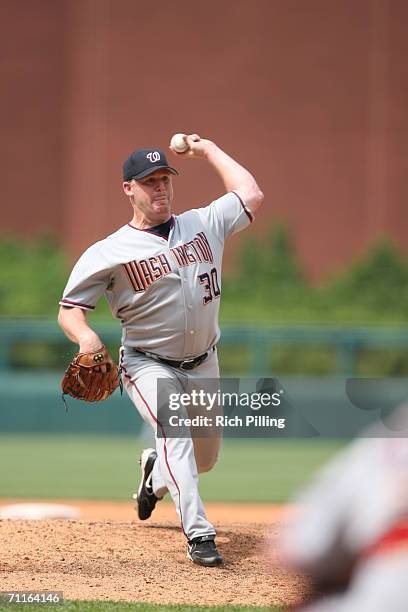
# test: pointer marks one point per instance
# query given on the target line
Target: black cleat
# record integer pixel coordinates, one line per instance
(203, 551)
(145, 498)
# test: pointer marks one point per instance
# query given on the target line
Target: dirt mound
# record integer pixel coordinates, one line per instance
(130, 561)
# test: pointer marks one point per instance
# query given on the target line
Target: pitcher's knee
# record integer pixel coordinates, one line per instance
(207, 464)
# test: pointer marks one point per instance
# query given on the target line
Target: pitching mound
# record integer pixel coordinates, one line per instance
(133, 561)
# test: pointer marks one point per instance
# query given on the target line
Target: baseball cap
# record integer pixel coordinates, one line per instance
(142, 162)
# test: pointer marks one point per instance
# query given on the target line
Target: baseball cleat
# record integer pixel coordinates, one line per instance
(145, 498)
(203, 551)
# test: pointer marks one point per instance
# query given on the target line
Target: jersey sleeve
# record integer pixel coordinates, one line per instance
(227, 215)
(88, 281)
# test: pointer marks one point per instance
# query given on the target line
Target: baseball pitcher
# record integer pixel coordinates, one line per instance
(161, 274)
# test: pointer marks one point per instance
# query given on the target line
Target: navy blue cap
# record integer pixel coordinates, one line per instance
(143, 162)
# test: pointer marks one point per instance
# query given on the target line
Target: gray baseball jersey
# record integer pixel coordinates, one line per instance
(165, 292)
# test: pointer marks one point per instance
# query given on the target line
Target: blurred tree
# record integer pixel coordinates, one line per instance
(378, 282)
(32, 276)
(269, 286)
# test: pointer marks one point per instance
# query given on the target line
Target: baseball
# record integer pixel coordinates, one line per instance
(178, 143)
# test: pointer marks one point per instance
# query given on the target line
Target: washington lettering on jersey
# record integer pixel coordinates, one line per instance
(143, 273)
(197, 250)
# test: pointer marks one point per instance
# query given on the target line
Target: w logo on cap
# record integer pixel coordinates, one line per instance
(143, 162)
(154, 156)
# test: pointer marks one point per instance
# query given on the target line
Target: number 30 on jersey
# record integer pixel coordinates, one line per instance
(210, 284)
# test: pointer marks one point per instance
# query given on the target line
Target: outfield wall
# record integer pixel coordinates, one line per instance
(313, 407)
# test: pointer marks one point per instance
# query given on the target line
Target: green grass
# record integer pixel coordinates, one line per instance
(109, 606)
(106, 467)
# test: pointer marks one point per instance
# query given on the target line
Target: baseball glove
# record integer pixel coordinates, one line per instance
(91, 377)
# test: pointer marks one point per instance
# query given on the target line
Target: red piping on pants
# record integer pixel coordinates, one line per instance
(163, 432)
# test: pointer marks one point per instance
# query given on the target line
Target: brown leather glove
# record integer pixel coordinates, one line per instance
(91, 377)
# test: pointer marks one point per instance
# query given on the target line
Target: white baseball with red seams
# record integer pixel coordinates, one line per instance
(178, 143)
(166, 293)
